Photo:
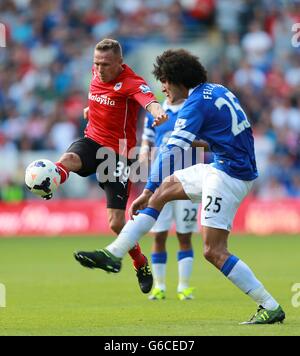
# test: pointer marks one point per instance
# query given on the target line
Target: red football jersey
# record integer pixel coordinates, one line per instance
(113, 109)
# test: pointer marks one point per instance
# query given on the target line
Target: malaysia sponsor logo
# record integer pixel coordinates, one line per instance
(102, 99)
(118, 86)
(145, 89)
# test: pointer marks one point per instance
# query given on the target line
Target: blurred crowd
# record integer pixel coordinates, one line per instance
(45, 68)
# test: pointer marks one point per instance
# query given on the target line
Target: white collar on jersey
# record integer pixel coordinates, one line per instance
(173, 108)
(192, 89)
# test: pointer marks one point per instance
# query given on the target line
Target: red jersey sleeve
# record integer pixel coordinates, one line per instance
(140, 92)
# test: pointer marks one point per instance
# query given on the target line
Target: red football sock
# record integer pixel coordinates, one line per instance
(139, 260)
(63, 171)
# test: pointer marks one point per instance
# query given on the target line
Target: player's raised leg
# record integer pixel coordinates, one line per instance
(171, 189)
(69, 162)
(80, 158)
(43, 177)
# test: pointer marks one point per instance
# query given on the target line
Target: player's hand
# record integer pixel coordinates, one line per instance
(86, 113)
(158, 113)
(160, 119)
(140, 203)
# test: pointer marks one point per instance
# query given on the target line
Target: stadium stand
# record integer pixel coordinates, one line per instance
(45, 73)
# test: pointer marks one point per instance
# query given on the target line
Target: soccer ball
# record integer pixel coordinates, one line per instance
(42, 178)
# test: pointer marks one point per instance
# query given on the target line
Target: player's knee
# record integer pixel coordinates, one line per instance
(215, 255)
(210, 254)
(165, 191)
(71, 161)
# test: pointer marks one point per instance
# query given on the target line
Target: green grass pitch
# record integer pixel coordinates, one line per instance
(49, 293)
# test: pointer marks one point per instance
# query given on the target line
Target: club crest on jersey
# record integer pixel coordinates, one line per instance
(118, 86)
(145, 89)
(180, 124)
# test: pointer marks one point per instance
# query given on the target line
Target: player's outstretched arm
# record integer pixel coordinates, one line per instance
(158, 113)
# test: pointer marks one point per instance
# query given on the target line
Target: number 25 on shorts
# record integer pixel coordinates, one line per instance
(213, 204)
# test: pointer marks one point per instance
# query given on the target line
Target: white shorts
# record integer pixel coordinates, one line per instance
(183, 212)
(220, 194)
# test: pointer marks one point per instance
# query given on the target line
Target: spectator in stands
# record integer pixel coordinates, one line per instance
(43, 91)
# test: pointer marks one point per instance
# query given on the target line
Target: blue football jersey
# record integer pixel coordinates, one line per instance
(161, 134)
(213, 113)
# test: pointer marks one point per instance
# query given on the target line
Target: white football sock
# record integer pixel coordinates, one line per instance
(159, 263)
(132, 232)
(243, 277)
(185, 268)
(263, 298)
(159, 275)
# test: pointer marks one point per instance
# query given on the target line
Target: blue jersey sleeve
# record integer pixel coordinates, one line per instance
(187, 127)
(149, 131)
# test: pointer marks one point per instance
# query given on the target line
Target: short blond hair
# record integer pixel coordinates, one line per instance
(108, 44)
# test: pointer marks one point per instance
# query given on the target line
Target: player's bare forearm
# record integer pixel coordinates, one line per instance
(145, 145)
(158, 113)
(144, 152)
(147, 193)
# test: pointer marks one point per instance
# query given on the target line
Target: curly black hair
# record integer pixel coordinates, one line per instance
(179, 67)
